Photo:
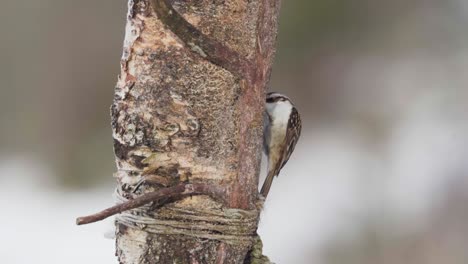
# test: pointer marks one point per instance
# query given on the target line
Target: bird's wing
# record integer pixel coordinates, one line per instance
(292, 136)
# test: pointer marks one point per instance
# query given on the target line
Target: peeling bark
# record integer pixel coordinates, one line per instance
(188, 108)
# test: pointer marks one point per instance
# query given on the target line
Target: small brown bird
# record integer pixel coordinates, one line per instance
(282, 131)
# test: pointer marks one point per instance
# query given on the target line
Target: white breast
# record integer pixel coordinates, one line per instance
(279, 113)
(279, 116)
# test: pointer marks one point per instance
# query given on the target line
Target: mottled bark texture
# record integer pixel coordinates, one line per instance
(188, 108)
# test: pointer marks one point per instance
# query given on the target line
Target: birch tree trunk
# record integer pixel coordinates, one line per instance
(188, 109)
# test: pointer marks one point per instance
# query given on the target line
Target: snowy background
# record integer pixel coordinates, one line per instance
(380, 175)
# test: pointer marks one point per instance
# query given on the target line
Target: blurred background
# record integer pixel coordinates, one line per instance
(380, 175)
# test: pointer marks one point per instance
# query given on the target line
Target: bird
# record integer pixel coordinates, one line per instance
(281, 132)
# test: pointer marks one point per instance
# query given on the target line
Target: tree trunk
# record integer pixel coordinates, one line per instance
(188, 109)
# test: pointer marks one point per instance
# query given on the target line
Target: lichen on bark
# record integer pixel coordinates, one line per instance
(188, 107)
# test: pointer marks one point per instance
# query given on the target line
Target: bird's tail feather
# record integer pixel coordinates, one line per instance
(267, 184)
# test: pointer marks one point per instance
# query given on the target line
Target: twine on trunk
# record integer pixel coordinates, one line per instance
(232, 226)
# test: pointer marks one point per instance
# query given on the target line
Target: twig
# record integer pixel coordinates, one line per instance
(177, 191)
(207, 47)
